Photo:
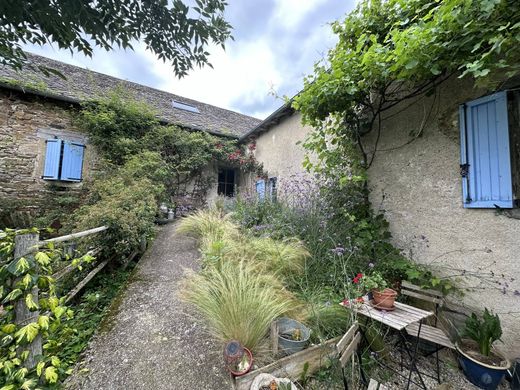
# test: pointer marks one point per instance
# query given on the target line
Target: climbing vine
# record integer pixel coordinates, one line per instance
(389, 52)
(28, 280)
(144, 163)
(395, 50)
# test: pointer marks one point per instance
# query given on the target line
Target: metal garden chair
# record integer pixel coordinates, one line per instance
(428, 333)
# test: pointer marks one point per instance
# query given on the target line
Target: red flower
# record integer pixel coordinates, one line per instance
(357, 278)
(360, 300)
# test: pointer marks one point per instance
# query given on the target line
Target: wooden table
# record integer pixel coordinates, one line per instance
(398, 319)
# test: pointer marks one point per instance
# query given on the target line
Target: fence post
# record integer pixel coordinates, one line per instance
(24, 245)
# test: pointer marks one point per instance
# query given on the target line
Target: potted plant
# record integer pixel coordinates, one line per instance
(238, 359)
(483, 365)
(383, 297)
(292, 335)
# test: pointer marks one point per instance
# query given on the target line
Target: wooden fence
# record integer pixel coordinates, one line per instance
(29, 243)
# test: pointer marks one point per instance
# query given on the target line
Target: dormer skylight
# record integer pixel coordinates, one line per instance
(185, 107)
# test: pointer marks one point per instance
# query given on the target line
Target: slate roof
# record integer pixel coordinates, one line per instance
(83, 84)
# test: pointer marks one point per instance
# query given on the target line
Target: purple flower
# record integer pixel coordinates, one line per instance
(339, 250)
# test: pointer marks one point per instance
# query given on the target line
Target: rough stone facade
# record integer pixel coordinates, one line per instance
(416, 183)
(25, 123)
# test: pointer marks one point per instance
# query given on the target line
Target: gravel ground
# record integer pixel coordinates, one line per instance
(452, 378)
(150, 339)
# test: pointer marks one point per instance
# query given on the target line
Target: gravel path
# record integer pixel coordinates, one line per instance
(150, 339)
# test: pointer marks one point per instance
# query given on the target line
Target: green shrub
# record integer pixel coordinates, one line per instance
(237, 302)
(127, 207)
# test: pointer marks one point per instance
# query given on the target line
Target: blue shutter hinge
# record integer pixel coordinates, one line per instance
(464, 170)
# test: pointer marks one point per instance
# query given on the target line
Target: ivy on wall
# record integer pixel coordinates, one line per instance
(142, 164)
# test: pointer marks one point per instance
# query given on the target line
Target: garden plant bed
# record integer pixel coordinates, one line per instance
(292, 366)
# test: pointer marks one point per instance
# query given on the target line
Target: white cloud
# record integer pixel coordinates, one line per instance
(243, 72)
(276, 56)
(291, 12)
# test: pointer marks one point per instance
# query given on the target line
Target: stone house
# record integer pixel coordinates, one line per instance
(40, 144)
(462, 225)
(459, 224)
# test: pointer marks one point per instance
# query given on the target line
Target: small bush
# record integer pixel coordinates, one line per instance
(236, 301)
(127, 207)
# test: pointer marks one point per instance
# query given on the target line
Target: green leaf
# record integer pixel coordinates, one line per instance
(412, 64)
(42, 258)
(55, 361)
(12, 296)
(28, 384)
(39, 368)
(29, 301)
(9, 328)
(28, 332)
(51, 375)
(43, 322)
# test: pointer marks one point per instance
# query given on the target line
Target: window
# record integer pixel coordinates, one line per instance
(260, 189)
(486, 166)
(63, 160)
(270, 191)
(272, 188)
(226, 182)
(185, 107)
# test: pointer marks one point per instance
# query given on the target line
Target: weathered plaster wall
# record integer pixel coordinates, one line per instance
(417, 185)
(25, 124)
(278, 150)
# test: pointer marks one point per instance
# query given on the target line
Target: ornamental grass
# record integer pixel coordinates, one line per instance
(208, 224)
(237, 301)
(284, 258)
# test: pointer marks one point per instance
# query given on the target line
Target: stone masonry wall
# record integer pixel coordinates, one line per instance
(25, 123)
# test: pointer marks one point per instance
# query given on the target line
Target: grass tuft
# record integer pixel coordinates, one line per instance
(237, 301)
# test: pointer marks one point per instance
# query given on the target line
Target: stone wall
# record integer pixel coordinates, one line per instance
(416, 183)
(280, 151)
(25, 123)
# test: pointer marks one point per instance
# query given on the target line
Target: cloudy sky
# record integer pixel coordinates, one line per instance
(276, 44)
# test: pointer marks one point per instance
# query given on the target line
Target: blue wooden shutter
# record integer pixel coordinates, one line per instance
(272, 188)
(51, 169)
(72, 163)
(260, 189)
(485, 155)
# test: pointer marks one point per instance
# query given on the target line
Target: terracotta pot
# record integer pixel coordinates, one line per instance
(384, 299)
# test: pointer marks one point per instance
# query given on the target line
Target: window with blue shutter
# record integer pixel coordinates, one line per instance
(260, 189)
(272, 188)
(485, 153)
(72, 162)
(51, 170)
(63, 160)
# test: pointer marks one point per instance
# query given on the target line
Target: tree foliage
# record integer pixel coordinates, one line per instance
(174, 31)
(393, 50)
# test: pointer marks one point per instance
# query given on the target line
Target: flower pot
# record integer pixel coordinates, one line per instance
(250, 364)
(384, 299)
(483, 375)
(287, 327)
